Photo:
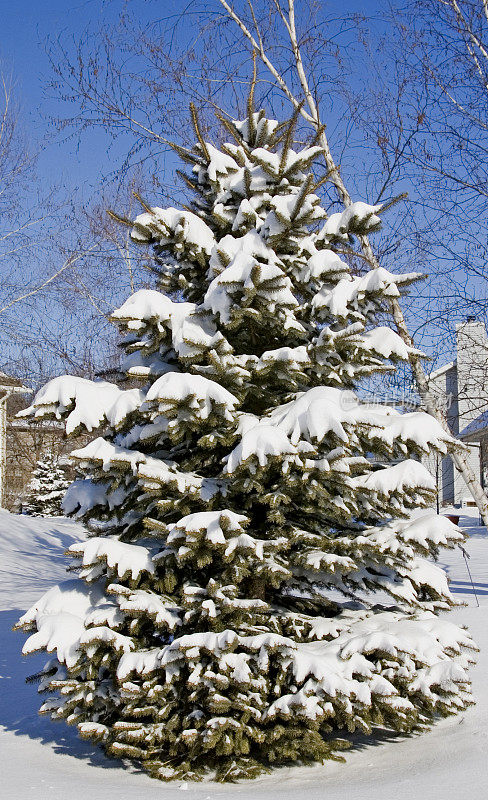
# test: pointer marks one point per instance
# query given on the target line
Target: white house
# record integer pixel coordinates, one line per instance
(461, 390)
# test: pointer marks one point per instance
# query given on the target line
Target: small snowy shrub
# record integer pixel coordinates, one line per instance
(255, 584)
(43, 495)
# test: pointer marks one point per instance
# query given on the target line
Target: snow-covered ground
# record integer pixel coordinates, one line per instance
(40, 760)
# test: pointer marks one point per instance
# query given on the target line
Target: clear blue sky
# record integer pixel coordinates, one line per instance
(25, 28)
(77, 165)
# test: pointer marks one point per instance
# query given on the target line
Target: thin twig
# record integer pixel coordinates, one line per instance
(68, 263)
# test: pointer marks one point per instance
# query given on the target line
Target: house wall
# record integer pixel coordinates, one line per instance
(461, 391)
(472, 389)
(472, 371)
(454, 489)
(26, 444)
(443, 387)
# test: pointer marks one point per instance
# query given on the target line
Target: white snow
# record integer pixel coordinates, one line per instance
(315, 413)
(168, 223)
(272, 160)
(88, 402)
(262, 441)
(352, 290)
(427, 530)
(216, 527)
(83, 495)
(119, 556)
(60, 619)
(212, 522)
(201, 394)
(108, 455)
(325, 410)
(139, 600)
(220, 163)
(406, 475)
(43, 761)
(357, 214)
(127, 402)
(292, 355)
(303, 158)
(246, 214)
(245, 271)
(140, 365)
(155, 473)
(387, 343)
(243, 125)
(321, 263)
(148, 304)
(150, 470)
(284, 210)
(190, 331)
(417, 427)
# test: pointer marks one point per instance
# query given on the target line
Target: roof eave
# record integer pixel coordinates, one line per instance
(441, 370)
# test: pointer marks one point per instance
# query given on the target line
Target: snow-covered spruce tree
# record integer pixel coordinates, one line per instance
(255, 584)
(43, 495)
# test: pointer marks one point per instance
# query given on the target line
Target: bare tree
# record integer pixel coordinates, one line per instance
(451, 55)
(31, 264)
(438, 51)
(46, 291)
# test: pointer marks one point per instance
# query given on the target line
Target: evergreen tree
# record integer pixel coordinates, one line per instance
(43, 496)
(255, 583)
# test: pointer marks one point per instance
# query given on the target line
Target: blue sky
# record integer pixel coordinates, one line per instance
(25, 28)
(79, 164)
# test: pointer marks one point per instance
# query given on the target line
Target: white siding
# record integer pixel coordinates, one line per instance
(461, 391)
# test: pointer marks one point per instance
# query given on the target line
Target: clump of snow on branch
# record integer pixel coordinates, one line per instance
(257, 577)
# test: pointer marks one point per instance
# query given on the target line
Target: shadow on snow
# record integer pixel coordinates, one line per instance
(19, 702)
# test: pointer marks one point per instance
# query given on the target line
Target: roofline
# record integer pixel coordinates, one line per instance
(35, 425)
(469, 322)
(15, 389)
(476, 435)
(12, 384)
(441, 370)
